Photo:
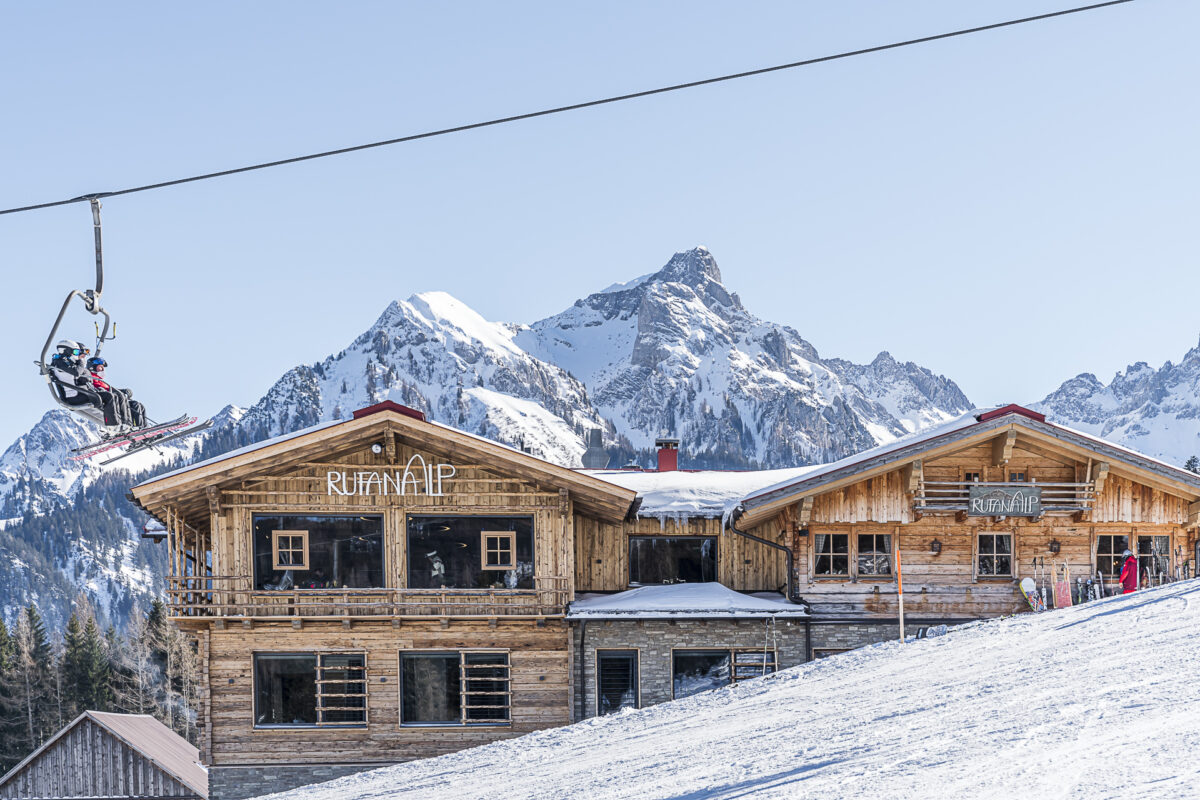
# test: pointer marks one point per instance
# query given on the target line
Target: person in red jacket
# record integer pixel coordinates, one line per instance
(1129, 573)
(132, 413)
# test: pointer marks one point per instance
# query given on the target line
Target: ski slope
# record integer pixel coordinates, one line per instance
(1097, 701)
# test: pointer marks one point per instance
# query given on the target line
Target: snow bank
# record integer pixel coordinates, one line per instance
(680, 600)
(1091, 702)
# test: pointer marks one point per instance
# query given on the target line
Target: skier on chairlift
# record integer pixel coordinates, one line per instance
(130, 411)
(71, 374)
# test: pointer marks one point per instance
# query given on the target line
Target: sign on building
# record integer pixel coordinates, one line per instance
(1005, 501)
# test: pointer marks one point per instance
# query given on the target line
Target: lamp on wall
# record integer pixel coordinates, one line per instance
(803, 533)
(1055, 546)
(376, 448)
(935, 547)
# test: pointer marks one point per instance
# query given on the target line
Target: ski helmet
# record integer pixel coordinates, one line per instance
(1126, 554)
(70, 347)
(96, 362)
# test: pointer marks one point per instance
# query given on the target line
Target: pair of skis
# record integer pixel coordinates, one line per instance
(141, 439)
(1059, 578)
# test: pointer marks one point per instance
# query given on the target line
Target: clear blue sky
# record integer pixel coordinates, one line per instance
(1009, 209)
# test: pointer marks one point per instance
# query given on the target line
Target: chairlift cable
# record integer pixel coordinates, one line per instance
(573, 107)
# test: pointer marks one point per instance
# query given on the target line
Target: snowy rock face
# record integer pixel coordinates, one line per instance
(676, 351)
(1155, 411)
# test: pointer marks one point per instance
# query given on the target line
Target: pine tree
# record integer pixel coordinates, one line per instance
(9, 727)
(87, 673)
(1193, 464)
(28, 686)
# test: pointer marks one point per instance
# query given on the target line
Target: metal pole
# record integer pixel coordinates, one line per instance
(900, 588)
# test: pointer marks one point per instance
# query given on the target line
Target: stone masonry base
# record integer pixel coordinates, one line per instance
(238, 783)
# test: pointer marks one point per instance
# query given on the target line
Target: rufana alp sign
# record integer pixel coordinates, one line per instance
(417, 477)
(1005, 501)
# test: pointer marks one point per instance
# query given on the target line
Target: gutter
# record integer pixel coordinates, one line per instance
(787, 551)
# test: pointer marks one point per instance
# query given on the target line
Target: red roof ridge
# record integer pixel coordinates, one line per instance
(1011, 408)
(388, 405)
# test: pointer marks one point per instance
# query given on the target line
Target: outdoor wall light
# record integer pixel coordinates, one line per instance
(935, 547)
(1055, 546)
(376, 448)
(803, 534)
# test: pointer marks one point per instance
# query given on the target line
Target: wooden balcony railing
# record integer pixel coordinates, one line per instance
(954, 496)
(235, 597)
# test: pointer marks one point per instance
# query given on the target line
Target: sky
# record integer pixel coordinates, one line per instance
(1009, 209)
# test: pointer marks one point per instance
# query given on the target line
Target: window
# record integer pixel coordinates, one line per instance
(995, 555)
(616, 680)
(454, 688)
(1016, 477)
(1154, 557)
(971, 477)
(499, 550)
(672, 559)
(694, 671)
(303, 689)
(874, 554)
(317, 552)
(832, 554)
(470, 552)
(290, 549)
(1108, 554)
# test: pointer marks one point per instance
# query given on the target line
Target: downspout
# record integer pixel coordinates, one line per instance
(787, 551)
(581, 692)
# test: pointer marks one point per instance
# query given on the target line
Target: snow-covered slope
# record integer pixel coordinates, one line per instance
(1154, 411)
(676, 351)
(1091, 702)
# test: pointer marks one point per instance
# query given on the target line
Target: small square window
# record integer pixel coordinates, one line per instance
(1016, 477)
(499, 549)
(971, 477)
(289, 549)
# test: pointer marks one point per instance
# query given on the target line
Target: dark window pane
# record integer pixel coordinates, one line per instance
(753, 664)
(285, 690)
(1004, 544)
(987, 544)
(699, 670)
(343, 552)
(672, 559)
(617, 680)
(829, 548)
(1003, 565)
(430, 688)
(343, 689)
(486, 686)
(874, 554)
(447, 552)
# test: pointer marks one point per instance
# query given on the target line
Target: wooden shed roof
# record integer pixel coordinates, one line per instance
(166, 749)
(965, 431)
(186, 488)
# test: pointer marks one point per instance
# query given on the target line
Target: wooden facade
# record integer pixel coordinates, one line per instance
(114, 756)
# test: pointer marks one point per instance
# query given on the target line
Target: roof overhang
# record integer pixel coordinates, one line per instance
(761, 506)
(187, 489)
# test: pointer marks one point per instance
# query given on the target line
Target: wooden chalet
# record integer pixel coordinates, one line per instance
(385, 588)
(112, 756)
(371, 591)
(972, 507)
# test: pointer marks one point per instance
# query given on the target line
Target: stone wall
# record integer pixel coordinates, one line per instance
(656, 639)
(238, 783)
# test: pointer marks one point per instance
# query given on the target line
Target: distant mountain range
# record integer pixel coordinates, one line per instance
(674, 352)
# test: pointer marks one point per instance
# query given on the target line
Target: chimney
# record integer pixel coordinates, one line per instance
(668, 453)
(595, 457)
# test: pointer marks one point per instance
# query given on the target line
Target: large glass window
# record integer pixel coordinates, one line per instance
(995, 554)
(832, 552)
(470, 552)
(672, 559)
(454, 688)
(1109, 548)
(1154, 559)
(616, 680)
(317, 552)
(694, 671)
(298, 689)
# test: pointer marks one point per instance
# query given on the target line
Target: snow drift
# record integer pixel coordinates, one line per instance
(1092, 702)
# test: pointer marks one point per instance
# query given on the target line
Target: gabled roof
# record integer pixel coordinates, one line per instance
(169, 751)
(186, 488)
(970, 429)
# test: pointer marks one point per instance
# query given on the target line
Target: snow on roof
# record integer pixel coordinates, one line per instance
(681, 600)
(681, 493)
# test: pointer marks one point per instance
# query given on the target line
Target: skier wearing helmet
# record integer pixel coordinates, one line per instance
(130, 411)
(1129, 573)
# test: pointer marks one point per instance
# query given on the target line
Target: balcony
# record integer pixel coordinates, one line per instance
(941, 497)
(233, 598)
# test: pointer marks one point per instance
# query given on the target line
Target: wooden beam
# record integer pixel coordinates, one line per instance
(389, 445)
(1100, 475)
(805, 516)
(1193, 518)
(913, 476)
(214, 499)
(1002, 447)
